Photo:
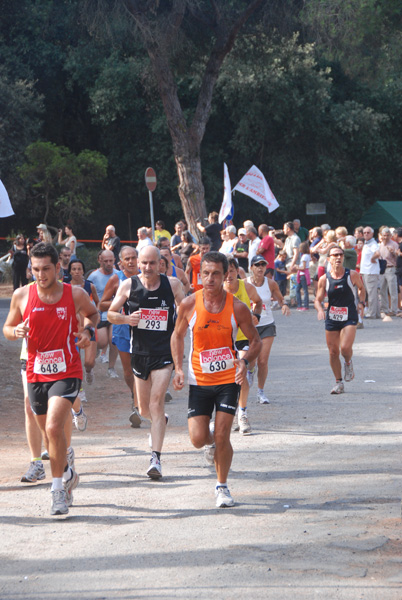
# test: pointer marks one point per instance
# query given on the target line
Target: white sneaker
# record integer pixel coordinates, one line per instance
(155, 468)
(89, 377)
(209, 453)
(223, 497)
(103, 358)
(112, 373)
(261, 398)
(168, 396)
(135, 418)
(71, 457)
(244, 425)
(80, 421)
(250, 377)
(69, 486)
(82, 396)
(59, 503)
(349, 373)
(338, 388)
(36, 472)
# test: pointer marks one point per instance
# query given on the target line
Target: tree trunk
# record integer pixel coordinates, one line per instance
(191, 189)
(187, 135)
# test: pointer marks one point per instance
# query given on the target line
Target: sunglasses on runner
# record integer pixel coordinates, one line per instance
(337, 254)
(261, 264)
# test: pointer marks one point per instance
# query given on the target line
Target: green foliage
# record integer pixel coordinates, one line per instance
(20, 119)
(61, 181)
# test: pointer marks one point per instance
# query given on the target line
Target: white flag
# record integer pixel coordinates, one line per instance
(5, 204)
(227, 210)
(255, 185)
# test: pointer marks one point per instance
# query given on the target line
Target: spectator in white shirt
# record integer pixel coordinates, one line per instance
(370, 271)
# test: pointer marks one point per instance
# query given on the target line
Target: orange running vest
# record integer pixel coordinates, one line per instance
(212, 344)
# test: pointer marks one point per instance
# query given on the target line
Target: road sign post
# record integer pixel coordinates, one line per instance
(150, 182)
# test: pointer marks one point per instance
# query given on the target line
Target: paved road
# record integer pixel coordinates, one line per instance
(317, 489)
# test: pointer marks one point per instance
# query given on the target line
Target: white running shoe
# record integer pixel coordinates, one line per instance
(250, 377)
(71, 457)
(103, 358)
(209, 454)
(155, 468)
(112, 373)
(36, 472)
(244, 425)
(349, 373)
(69, 486)
(135, 418)
(338, 388)
(45, 455)
(261, 398)
(82, 396)
(223, 497)
(59, 503)
(89, 377)
(80, 421)
(168, 396)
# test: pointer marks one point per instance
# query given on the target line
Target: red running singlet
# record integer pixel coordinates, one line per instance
(52, 354)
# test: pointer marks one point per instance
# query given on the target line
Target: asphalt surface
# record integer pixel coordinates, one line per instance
(317, 488)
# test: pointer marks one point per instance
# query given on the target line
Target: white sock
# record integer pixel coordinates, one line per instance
(243, 410)
(67, 474)
(261, 390)
(77, 413)
(57, 484)
(219, 484)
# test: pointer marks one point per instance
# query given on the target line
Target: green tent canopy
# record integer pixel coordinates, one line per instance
(382, 213)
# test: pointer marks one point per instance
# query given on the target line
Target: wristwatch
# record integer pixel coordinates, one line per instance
(246, 361)
(91, 331)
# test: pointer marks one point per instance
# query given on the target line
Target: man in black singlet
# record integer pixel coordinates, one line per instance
(151, 298)
(341, 317)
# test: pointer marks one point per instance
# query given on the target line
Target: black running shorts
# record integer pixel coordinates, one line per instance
(338, 325)
(40, 392)
(143, 365)
(204, 398)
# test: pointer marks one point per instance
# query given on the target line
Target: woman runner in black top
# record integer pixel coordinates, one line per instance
(341, 316)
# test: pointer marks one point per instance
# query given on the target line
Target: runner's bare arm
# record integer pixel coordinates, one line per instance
(243, 318)
(183, 278)
(108, 293)
(276, 295)
(95, 295)
(361, 290)
(320, 297)
(177, 290)
(85, 308)
(114, 315)
(177, 340)
(254, 297)
(15, 327)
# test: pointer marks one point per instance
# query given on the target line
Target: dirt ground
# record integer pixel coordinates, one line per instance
(317, 488)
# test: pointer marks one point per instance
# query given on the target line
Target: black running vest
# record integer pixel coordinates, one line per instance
(152, 335)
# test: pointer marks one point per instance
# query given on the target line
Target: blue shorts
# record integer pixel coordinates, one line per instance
(123, 345)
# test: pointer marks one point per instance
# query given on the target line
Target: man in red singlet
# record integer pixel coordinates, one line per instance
(45, 314)
(215, 372)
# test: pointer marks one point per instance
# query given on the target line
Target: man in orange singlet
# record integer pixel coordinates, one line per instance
(215, 372)
(45, 314)
(194, 265)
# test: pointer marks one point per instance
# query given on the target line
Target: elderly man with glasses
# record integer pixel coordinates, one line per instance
(388, 281)
(370, 270)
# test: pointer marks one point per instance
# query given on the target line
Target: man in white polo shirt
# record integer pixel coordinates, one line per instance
(370, 270)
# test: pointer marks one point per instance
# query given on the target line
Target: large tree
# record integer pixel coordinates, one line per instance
(168, 30)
